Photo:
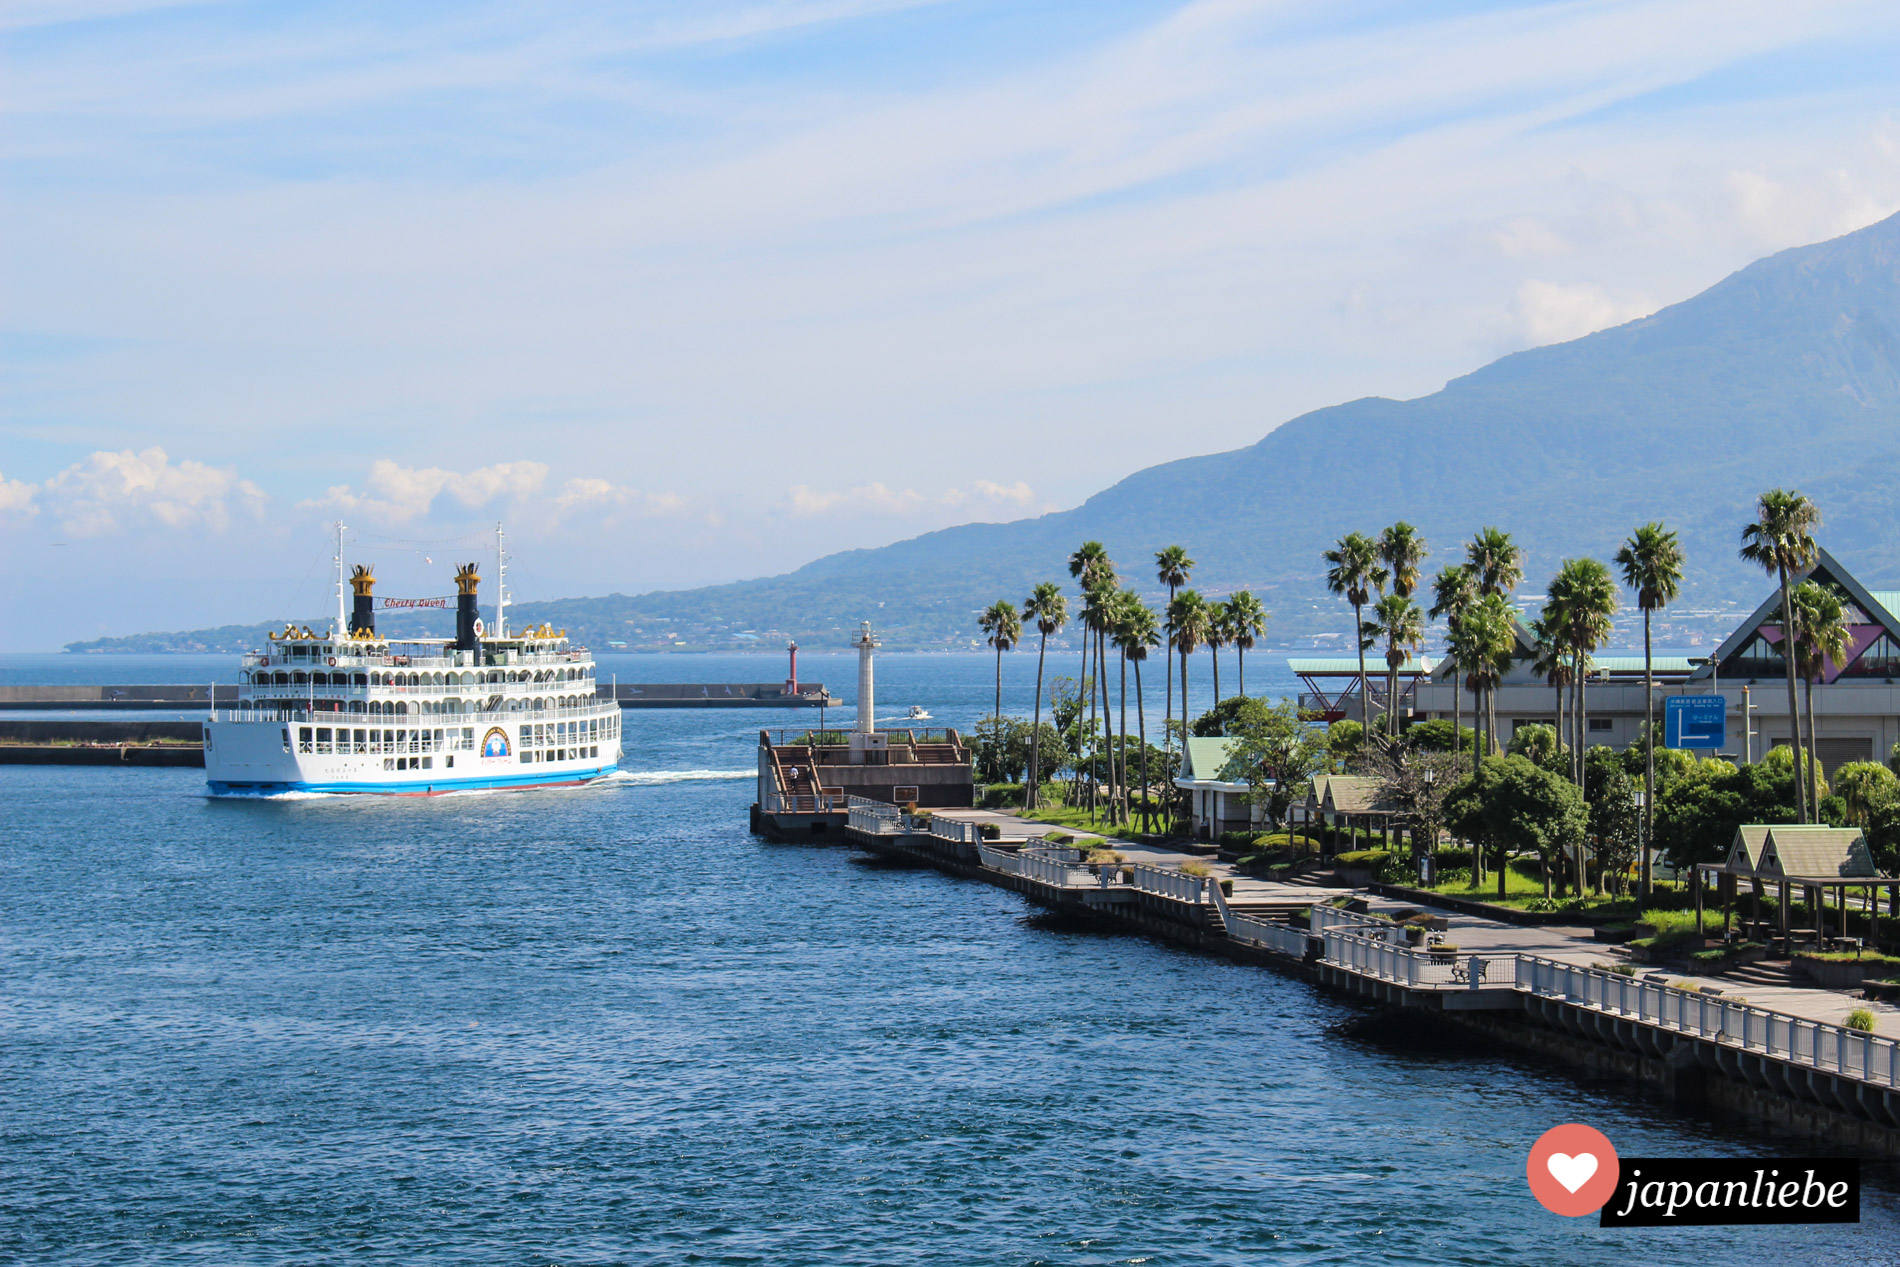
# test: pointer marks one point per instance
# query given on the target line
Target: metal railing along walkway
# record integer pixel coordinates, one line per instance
(1831, 1048)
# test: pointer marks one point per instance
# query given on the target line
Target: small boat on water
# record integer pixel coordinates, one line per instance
(917, 713)
(348, 710)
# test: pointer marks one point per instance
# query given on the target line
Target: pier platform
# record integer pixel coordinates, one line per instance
(1778, 1059)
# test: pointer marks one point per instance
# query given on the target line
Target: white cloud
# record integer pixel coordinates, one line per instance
(982, 497)
(17, 497)
(108, 491)
(599, 494)
(1551, 312)
(398, 493)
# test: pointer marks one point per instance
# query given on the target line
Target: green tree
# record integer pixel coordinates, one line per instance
(1401, 551)
(1396, 621)
(1453, 592)
(1229, 717)
(1616, 821)
(1005, 630)
(1549, 658)
(1864, 787)
(1246, 623)
(1276, 754)
(1652, 562)
(1821, 637)
(1581, 605)
(1345, 739)
(1698, 813)
(1538, 742)
(1172, 569)
(1218, 634)
(1136, 634)
(1354, 574)
(1781, 543)
(1496, 565)
(1092, 569)
(1439, 735)
(1187, 624)
(1510, 803)
(1047, 607)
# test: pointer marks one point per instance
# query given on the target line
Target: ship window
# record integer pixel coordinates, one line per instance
(449, 762)
(323, 739)
(427, 762)
(361, 740)
(303, 739)
(361, 679)
(286, 739)
(468, 739)
(402, 763)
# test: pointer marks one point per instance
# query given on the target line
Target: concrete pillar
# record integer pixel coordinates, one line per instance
(867, 695)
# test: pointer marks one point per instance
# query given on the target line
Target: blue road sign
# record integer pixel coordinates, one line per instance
(1695, 721)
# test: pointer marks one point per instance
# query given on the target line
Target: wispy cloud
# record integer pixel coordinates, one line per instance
(109, 492)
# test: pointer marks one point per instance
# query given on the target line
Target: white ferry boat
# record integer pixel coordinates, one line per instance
(351, 711)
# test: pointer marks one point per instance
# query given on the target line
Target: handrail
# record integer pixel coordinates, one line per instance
(1168, 882)
(1283, 938)
(1834, 1048)
(1005, 860)
(1416, 968)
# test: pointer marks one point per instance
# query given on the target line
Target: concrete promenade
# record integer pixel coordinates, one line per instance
(1574, 945)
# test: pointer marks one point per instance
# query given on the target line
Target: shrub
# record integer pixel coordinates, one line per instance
(989, 831)
(1368, 858)
(1059, 838)
(1103, 855)
(1227, 888)
(1871, 957)
(1002, 796)
(1238, 840)
(1861, 1019)
(1200, 869)
(1451, 859)
(1709, 958)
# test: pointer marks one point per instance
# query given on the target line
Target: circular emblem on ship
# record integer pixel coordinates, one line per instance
(480, 628)
(495, 742)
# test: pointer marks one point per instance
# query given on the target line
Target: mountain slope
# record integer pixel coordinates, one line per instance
(1786, 373)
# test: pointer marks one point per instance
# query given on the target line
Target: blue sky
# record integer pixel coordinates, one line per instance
(698, 291)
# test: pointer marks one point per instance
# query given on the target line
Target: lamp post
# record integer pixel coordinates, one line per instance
(1425, 849)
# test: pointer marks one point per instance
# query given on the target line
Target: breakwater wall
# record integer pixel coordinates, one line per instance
(115, 741)
(1741, 1066)
(83, 696)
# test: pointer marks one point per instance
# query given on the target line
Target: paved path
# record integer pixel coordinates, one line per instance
(1568, 944)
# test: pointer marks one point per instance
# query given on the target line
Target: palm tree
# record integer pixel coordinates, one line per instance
(1355, 573)
(1172, 569)
(1497, 567)
(1050, 610)
(1401, 549)
(1397, 620)
(1552, 660)
(1122, 611)
(1216, 639)
(1086, 565)
(1246, 621)
(1136, 633)
(1005, 630)
(1821, 638)
(1098, 594)
(1582, 600)
(1481, 645)
(1453, 593)
(1652, 566)
(1187, 618)
(1781, 543)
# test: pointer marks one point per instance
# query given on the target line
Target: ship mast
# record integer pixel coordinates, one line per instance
(501, 584)
(342, 612)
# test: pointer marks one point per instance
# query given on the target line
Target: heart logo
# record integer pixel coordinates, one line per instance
(1571, 1172)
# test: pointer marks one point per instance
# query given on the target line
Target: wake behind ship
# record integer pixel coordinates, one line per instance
(350, 711)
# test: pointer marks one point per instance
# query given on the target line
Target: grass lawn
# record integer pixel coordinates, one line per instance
(1076, 818)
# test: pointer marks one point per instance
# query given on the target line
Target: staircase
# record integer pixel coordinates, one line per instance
(1767, 972)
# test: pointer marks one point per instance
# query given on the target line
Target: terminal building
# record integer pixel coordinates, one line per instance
(1856, 704)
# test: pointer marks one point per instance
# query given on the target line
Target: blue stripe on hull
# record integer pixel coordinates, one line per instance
(425, 787)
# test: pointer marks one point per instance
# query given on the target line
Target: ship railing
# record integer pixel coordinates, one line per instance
(1166, 882)
(351, 690)
(1281, 938)
(1778, 1035)
(348, 658)
(351, 717)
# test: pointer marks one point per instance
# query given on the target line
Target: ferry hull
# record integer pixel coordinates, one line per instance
(420, 787)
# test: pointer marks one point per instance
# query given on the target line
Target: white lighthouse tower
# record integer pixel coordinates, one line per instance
(868, 747)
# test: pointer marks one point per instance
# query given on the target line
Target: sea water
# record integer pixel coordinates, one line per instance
(608, 1025)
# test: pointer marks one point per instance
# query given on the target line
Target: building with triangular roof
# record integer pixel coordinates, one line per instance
(1856, 703)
